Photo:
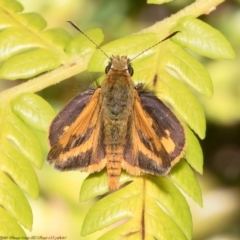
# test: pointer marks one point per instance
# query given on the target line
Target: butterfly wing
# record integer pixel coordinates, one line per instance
(166, 125)
(151, 146)
(79, 142)
(68, 115)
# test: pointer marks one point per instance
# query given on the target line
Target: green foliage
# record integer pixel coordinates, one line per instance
(202, 39)
(193, 153)
(19, 148)
(9, 226)
(141, 203)
(183, 176)
(137, 198)
(26, 51)
(152, 206)
(13, 200)
(32, 110)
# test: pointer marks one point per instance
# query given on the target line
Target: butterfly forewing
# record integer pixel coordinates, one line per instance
(81, 145)
(68, 115)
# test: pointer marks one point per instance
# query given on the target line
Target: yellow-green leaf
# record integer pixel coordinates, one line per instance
(202, 39)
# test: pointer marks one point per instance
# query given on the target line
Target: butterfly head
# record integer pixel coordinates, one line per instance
(119, 63)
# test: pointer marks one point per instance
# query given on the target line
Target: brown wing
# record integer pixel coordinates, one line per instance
(144, 152)
(67, 116)
(80, 146)
(166, 126)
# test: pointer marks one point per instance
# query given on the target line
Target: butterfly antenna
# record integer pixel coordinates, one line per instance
(98, 47)
(169, 36)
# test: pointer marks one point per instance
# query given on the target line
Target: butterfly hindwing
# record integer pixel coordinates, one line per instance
(166, 126)
(80, 144)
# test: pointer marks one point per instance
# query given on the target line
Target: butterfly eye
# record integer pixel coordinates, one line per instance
(108, 67)
(130, 70)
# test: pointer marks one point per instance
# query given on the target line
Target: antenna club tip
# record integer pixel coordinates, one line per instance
(174, 33)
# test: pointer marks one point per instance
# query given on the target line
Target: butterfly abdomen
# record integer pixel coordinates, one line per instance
(114, 165)
(114, 139)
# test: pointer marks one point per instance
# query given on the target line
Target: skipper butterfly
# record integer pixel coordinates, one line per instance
(117, 126)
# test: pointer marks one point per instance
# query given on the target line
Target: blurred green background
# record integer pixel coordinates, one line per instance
(58, 212)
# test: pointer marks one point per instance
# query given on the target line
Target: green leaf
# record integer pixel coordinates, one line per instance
(202, 39)
(172, 200)
(9, 226)
(19, 168)
(182, 175)
(33, 110)
(177, 61)
(29, 64)
(97, 184)
(13, 201)
(57, 36)
(193, 154)
(23, 139)
(14, 41)
(80, 45)
(142, 202)
(34, 20)
(181, 99)
(12, 5)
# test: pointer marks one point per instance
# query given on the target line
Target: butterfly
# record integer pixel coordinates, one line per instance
(116, 126)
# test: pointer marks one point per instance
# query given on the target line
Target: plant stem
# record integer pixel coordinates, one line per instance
(48, 79)
(199, 7)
